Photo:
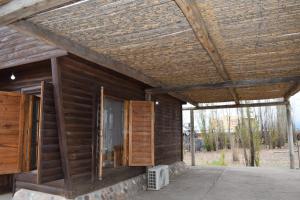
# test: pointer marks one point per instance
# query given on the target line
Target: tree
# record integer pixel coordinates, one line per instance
(252, 150)
(242, 134)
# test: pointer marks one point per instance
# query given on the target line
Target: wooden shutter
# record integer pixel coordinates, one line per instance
(12, 123)
(141, 133)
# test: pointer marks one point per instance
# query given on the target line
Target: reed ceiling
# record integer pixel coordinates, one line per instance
(255, 40)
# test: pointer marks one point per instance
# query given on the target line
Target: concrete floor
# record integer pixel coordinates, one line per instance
(5, 196)
(230, 184)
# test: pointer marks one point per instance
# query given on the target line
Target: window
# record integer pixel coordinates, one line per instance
(113, 133)
(126, 134)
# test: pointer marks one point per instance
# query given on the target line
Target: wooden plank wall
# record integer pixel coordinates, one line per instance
(49, 161)
(168, 130)
(27, 76)
(5, 183)
(75, 99)
(78, 80)
(86, 75)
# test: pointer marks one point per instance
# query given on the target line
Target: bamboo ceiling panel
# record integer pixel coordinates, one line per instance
(249, 93)
(17, 48)
(152, 36)
(209, 96)
(263, 92)
(256, 39)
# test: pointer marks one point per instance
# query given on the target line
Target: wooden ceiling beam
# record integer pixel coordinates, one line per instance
(226, 85)
(292, 90)
(15, 10)
(84, 52)
(193, 15)
(277, 103)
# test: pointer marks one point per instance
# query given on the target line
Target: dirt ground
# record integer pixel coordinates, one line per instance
(275, 158)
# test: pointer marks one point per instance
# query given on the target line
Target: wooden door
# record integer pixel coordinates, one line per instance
(13, 125)
(141, 133)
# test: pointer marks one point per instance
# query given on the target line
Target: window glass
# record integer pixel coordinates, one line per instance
(113, 132)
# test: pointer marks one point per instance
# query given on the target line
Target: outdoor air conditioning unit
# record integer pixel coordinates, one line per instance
(158, 177)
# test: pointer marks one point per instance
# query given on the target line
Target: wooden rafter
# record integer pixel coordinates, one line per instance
(226, 84)
(89, 54)
(193, 15)
(277, 103)
(292, 90)
(14, 10)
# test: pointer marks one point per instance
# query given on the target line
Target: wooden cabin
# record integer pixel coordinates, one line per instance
(58, 113)
(98, 85)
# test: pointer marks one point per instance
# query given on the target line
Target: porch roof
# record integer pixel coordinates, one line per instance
(197, 50)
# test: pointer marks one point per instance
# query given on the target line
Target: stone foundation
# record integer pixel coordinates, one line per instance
(120, 191)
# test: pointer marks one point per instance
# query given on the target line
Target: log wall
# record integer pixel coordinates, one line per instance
(27, 76)
(49, 161)
(28, 80)
(168, 130)
(80, 81)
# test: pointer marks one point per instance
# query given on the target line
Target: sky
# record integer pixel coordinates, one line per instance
(295, 104)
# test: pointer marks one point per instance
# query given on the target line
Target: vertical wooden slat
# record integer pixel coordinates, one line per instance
(13, 121)
(126, 133)
(152, 134)
(21, 131)
(41, 127)
(27, 133)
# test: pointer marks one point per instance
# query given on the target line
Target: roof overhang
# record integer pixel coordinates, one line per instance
(198, 51)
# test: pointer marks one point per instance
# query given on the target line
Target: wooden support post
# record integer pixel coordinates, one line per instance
(101, 135)
(192, 137)
(238, 106)
(290, 135)
(59, 108)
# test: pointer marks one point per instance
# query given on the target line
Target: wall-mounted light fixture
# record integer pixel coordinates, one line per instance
(156, 102)
(12, 77)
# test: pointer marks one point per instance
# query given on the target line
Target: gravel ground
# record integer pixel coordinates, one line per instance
(275, 158)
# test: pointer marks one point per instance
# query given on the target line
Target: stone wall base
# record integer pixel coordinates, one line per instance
(121, 191)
